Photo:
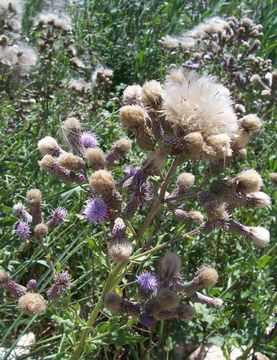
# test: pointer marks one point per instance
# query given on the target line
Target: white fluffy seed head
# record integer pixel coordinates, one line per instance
(259, 235)
(199, 104)
(132, 95)
(248, 181)
(48, 145)
(185, 180)
(251, 123)
(259, 199)
(152, 93)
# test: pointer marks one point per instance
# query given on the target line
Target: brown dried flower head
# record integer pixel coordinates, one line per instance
(32, 303)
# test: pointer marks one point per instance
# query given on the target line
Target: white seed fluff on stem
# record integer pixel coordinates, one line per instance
(199, 104)
(259, 235)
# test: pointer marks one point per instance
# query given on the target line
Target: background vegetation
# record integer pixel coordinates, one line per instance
(124, 36)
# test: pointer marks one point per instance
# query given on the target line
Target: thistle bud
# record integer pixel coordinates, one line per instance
(132, 116)
(273, 178)
(203, 299)
(171, 265)
(49, 146)
(114, 303)
(132, 95)
(61, 283)
(120, 250)
(258, 200)
(193, 145)
(32, 304)
(119, 150)
(248, 181)
(140, 195)
(32, 285)
(255, 80)
(206, 277)
(185, 312)
(259, 235)
(95, 158)
(41, 230)
(50, 165)
(22, 213)
(58, 216)
(9, 285)
(152, 94)
(192, 216)
(217, 147)
(34, 198)
(251, 123)
(73, 132)
(167, 299)
(185, 180)
(240, 140)
(71, 162)
(118, 228)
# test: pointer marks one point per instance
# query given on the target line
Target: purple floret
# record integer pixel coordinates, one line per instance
(89, 140)
(147, 282)
(146, 320)
(22, 230)
(96, 210)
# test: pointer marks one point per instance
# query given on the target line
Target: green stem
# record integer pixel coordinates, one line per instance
(111, 282)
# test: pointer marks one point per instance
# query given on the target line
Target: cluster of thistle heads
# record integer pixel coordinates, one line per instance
(32, 227)
(55, 33)
(230, 44)
(30, 300)
(166, 296)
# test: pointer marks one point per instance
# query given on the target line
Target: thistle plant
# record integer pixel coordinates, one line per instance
(191, 131)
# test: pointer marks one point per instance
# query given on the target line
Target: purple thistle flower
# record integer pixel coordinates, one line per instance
(80, 178)
(31, 285)
(96, 210)
(131, 171)
(9, 285)
(22, 229)
(147, 282)
(146, 320)
(57, 217)
(61, 284)
(89, 140)
(118, 229)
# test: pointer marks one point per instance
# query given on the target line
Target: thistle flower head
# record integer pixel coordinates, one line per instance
(251, 123)
(89, 140)
(41, 230)
(58, 21)
(171, 265)
(114, 303)
(96, 210)
(32, 303)
(61, 283)
(34, 196)
(207, 277)
(199, 104)
(185, 312)
(71, 161)
(147, 282)
(193, 145)
(132, 116)
(58, 216)
(102, 181)
(21, 212)
(218, 147)
(248, 181)
(101, 76)
(9, 285)
(120, 250)
(185, 180)
(132, 95)
(96, 158)
(258, 200)
(118, 228)
(152, 94)
(22, 230)
(131, 171)
(146, 320)
(49, 146)
(167, 299)
(259, 235)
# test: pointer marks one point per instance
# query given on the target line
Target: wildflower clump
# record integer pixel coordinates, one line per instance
(166, 296)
